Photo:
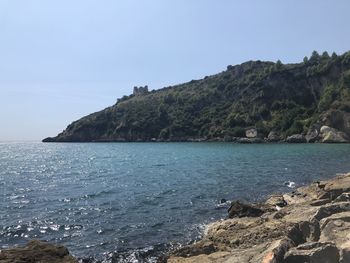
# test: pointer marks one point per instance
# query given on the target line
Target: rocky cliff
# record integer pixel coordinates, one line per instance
(311, 224)
(264, 96)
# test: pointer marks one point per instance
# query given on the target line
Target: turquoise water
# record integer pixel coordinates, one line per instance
(132, 201)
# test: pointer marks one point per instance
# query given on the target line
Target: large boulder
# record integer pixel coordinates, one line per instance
(314, 252)
(244, 140)
(239, 209)
(296, 138)
(339, 120)
(273, 137)
(198, 248)
(336, 228)
(37, 251)
(276, 201)
(313, 134)
(251, 133)
(331, 135)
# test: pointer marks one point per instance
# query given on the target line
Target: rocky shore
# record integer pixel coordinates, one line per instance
(311, 224)
(316, 134)
(37, 252)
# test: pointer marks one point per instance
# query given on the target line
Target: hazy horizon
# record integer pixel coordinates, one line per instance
(61, 61)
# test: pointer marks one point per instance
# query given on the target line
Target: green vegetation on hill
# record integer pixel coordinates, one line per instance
(285, 98)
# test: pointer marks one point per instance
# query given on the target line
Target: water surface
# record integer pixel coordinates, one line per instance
(130, 201)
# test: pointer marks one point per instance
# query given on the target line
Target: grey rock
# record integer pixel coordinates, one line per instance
(239, 209)
(244, 140)
(314, 252)
(296, 138)
(313, 134)
(331, 135)
(37, 251)
(273, 137)
(251, 133)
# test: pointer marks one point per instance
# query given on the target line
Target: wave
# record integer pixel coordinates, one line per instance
(290, 184)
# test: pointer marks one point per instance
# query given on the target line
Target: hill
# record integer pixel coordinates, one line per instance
(272, 99)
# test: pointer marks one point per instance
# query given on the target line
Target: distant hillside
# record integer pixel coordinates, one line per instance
(283, 98)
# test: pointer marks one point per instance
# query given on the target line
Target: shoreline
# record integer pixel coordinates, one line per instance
(324, 134)
(310, 221)
(309, 224)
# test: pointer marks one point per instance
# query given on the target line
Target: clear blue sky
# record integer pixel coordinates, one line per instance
(61, 60)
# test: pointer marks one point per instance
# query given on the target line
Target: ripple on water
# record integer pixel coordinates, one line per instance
(132, 202)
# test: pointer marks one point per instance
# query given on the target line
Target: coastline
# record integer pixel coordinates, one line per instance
(309, 224)
(324, 134)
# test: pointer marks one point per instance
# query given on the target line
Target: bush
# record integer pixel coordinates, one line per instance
(238, 132)
(346, 59)
(346, 80)
(329, 95)
(164, 133)
(296, 128)
(315, 57)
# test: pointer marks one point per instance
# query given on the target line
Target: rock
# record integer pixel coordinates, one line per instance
(244, 140)
(336, 228)
(228, 138)
(314, 252)
(337, 186)
(239, 209)
(331, 135)
(310, 230)
(320, 202)
(338, 119)
(344, 197)
(201, 247)
(223, 200)
(251, 133)
(37, 251)
(296, 138)
(276, 200)
(214, 257)
(325, 129)
(312, 226)
(275, 253)
(313, 134)
(330, 209)
(273, 137)
(256, 140)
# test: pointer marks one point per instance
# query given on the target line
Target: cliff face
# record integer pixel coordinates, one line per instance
(286, 99)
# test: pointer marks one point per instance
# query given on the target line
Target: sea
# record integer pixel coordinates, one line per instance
(134, 202)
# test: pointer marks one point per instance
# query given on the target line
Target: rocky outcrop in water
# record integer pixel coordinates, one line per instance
(331, 135)
(296, 138)
(311, 224)
(37, 252)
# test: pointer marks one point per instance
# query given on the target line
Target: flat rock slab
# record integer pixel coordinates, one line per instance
(37, 252)
(313, 253)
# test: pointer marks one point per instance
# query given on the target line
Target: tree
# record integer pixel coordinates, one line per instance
(325, 55)
(278, 64)
(306, 59)
(334, 55)
(314, 56)
(346, 59)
